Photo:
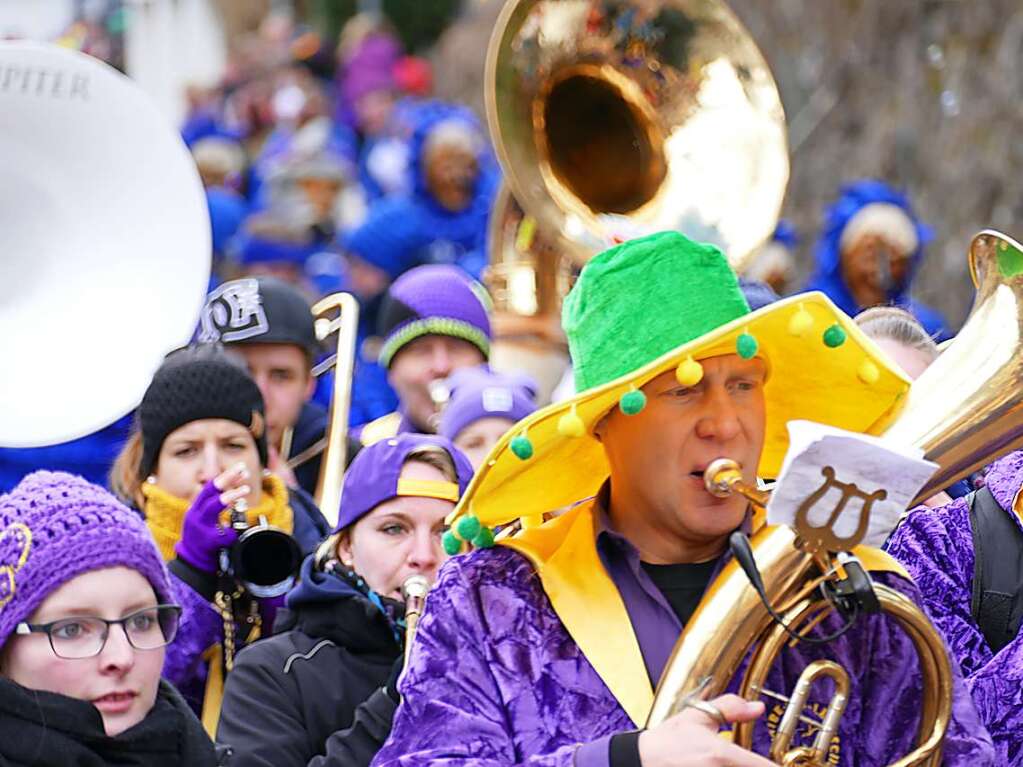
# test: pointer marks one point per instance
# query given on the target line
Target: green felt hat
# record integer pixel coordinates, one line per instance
(643, 298)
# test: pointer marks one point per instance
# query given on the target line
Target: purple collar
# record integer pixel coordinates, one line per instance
(654, 622)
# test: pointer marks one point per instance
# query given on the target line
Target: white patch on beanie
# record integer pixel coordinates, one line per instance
(233, 312)
(497, 400)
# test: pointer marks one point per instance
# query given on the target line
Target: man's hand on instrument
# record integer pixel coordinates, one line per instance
(690, 739)
(202, 536)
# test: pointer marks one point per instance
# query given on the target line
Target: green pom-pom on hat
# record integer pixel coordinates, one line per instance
(746, 346)
(468, 527)
(522, 447)
(484, 539)
(834, 336)
(451, 543)
(632, 402)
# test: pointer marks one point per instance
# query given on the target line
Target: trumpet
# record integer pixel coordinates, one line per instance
(414, 592)
(264, 559)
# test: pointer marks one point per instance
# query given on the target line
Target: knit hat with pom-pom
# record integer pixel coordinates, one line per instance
(55, 527)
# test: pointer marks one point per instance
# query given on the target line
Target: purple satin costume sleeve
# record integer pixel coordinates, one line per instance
(496, 680)
(200, 628)
(936, 547)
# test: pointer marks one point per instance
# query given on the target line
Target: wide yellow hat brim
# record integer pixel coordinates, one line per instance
(853, 386)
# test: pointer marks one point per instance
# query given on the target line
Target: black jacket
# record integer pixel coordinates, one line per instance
(309, 429)
(310, 525)
(43, 729)
(291, 696)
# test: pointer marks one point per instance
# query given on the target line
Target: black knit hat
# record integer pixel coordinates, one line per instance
(196, 382)
(258, 310)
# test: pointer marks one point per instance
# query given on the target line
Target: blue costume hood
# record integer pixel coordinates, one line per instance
(405, 232)
(827, 276)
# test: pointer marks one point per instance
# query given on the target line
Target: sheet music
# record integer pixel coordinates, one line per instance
(872, 463)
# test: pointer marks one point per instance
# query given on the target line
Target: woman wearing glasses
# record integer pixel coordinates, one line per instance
(86, 610)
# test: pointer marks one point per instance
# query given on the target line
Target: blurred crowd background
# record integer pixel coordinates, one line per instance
(924, 95)
(343, 142)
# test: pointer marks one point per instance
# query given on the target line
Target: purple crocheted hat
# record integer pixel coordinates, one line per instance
(55, 527)
(438, 300)
(481, 393)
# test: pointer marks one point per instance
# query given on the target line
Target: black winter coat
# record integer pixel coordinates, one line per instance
(43, 729)
(313, 695)
(309, 429)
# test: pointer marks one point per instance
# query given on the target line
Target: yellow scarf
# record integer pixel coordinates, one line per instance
(165, 513)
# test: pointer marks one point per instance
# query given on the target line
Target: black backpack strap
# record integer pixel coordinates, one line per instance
(997, 597)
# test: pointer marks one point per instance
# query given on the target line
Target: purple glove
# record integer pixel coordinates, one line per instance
(202, 537)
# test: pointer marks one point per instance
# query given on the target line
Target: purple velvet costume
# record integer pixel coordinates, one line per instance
(496, 679)
(936, 547)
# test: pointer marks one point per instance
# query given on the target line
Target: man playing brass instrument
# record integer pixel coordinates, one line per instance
(545, 649)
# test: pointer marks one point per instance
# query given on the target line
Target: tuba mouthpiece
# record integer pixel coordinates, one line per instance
(721, 476)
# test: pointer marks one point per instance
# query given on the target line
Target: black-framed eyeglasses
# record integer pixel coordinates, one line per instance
(85, 637)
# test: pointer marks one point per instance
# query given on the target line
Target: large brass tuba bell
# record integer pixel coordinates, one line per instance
(625, 116)
(614, 119)
(964, 411)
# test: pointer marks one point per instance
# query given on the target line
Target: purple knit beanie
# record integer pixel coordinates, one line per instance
(371, 67)
(481, 393)
(55, 527)
(435, 299)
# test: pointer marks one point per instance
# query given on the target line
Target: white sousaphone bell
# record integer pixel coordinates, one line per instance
(104, 243)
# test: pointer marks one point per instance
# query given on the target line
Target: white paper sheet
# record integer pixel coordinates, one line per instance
(871, 463)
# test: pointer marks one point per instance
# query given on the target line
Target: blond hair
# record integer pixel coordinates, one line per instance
(899, 326)
(124, 474)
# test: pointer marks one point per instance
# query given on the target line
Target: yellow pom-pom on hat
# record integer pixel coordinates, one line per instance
(571, 425)
(689, 372)
(868, 372)
(801, 322)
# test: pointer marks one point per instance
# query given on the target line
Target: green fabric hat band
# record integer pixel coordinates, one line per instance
(643, 298)
(434, 326)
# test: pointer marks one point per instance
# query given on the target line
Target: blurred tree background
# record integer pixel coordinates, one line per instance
(925, 94)
(418, 22)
